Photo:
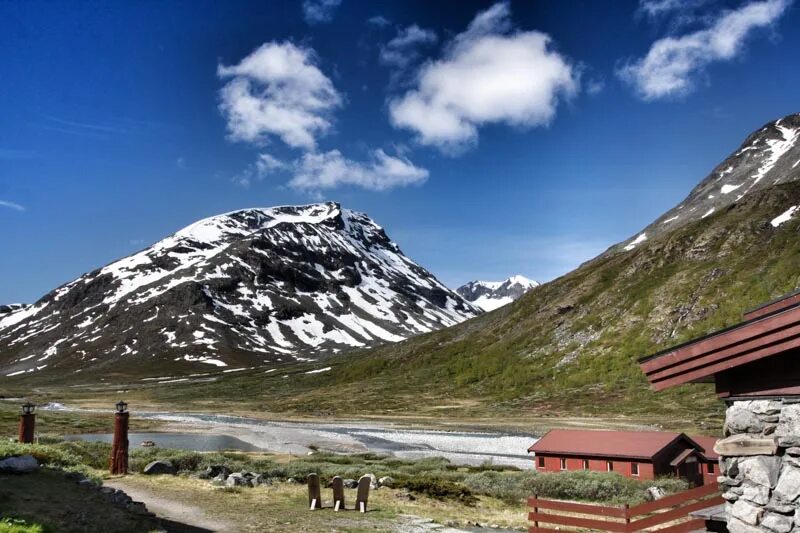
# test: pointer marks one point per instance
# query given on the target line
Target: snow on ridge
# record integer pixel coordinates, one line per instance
(638, 240)
(784, 217)
(487, 303)
(727, 188)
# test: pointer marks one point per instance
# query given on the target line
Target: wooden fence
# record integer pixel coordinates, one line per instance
(671, 512)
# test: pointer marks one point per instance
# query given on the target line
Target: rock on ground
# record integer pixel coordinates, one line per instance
(19, 465)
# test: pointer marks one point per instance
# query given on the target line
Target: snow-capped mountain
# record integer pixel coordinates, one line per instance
(489, 295)
(245, 288)
(768, 157)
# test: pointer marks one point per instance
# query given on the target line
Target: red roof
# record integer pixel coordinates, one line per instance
(628, 444)
(708, 446)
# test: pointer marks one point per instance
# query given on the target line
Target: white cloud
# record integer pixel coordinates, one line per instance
(315, 172)
(657, 8)
(487, 74)
(265, 164)
(12, 205)
(278, 90)
(379, 21)
(404, 48)
(595, 86)
(672, 64)
(319, 11)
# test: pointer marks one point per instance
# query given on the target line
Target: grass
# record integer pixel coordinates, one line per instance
(436, 478)
(48, 502)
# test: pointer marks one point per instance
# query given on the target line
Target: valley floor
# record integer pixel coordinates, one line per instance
(284, 507)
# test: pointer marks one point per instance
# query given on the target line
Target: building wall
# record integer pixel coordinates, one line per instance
(760, 466)
(552, 463)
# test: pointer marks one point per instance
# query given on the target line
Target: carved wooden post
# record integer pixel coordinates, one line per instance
(363, 493)
(338, 493)
(119, 447)
(314, 496)
(27, 423)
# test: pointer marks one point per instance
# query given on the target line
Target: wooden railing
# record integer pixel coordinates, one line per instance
(671, 511)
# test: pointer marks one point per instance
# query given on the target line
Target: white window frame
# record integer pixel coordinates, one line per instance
(635, 469)
(563, 463)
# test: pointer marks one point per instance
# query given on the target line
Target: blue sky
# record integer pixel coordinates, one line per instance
(488, 138)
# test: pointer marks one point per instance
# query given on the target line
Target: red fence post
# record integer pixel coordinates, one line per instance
(535, 509)
(119, 447)
(627, 517)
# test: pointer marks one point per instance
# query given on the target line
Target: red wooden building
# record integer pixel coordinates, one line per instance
(638, 454)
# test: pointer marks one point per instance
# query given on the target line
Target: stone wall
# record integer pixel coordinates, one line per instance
(760, 466)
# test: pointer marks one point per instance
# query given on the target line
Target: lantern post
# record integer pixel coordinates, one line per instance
(27, 423)
(119, 447)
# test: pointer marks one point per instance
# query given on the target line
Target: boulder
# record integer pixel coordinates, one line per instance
(261, 479)
(373, 481)
(22, 464)
(350, 483)
(386, 481)
(655, 493)
(237, 479)
(160, 467)
(220, 479)
(213, 471)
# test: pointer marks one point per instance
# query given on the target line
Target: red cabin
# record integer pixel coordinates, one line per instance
(637, 454)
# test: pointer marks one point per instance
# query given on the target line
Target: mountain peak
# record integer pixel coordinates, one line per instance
(489, 295)
(253, 286)
(769, 156)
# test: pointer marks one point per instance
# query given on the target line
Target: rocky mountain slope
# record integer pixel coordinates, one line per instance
(768, 157)
(242, 289)
(489, 295)
(571, 346)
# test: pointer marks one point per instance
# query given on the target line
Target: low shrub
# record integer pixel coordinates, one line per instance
(583, 486)
(18, 525)
(439, 489)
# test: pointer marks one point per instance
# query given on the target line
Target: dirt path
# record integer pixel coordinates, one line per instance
(172, 509)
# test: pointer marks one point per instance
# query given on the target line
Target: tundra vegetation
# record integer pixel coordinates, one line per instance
(433, 488)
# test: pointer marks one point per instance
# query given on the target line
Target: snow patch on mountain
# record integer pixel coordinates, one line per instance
(784, 217)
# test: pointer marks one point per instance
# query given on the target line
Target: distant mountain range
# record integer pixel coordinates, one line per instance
(246, 288)
(489, 295)
(570, 347)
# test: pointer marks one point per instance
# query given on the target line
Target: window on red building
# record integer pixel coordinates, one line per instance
(563, 464)
(710, 468)
(634, 469)
(609, 466)
(541, 462)
(586, 464)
